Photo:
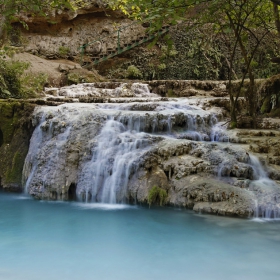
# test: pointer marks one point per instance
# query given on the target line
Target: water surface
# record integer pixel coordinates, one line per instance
(70, 240)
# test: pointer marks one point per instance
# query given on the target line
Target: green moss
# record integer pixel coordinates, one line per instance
(233, 125)
(157, 196)
(170, 93)
(14, 174)
(8, 119)
(16, 130)
(74, 78)
(63, 51)
(83, 76)
(10, 78)
(266, 106)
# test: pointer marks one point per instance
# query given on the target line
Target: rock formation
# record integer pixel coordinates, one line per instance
(118, 151)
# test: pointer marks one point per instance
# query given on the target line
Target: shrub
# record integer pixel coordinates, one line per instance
(15, 83)
(10, 74)
(32, 84)
(133, 72)
(161, 66)
(157, 196)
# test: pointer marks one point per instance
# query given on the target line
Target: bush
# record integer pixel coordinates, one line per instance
(32, 84)
(157, 196)
(133, 72)
(15, 83)
(10, 73)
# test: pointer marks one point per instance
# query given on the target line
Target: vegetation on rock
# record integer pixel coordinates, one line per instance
(133, 72)
(15, 82)
(15, 132)
(157, 196)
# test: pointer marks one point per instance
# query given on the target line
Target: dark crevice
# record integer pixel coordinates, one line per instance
(72, 192)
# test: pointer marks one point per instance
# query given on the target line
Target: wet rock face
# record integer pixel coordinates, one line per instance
(211, 178)
(15, 132)
(52, 163)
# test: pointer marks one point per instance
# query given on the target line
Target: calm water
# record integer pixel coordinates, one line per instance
(59, 240)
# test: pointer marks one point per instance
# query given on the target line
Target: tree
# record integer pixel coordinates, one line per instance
(247, 22)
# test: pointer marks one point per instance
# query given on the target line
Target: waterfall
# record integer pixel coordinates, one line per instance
(104, 178)
(267, 197)
(91, 151)
(96, 148)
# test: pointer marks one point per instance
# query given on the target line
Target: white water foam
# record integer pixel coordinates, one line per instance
(104, 206)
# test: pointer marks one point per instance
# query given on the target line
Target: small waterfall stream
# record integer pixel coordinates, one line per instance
(265, 206)
(104, 178)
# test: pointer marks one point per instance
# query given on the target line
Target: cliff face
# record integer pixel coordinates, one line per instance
(63, 33)
(15, 132)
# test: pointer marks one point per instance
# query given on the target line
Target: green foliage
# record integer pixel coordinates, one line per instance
(133, 72)
(233, 125)
(16, 83)
(168, 51)
(158, 12)
(63, 51)
(266, 106)
(32, 84)
(10, 73)
(170, 93)
(157, 196)
(83, 76)
(161, 67)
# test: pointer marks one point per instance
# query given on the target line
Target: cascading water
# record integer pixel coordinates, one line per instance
(268, 201)
(112, 138)
(266, 191)
(104, 178)
(96, 148)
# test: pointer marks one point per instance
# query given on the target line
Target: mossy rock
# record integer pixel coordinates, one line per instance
(15, 133)
(270, 86)
(78, 76)
(157, 196)
(266, 106)
(14, 174)
(170, 93)
(8, 120)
